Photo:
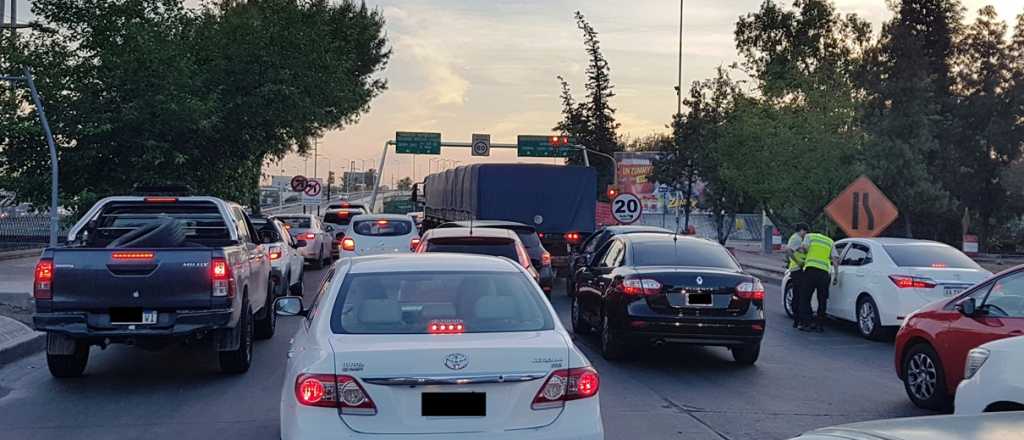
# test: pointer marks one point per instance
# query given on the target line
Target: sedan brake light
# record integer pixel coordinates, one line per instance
(310, 236)
(348, 244)
(42, 286)
(275, 253)
(413, 244)
(565, 385)
(329, 391)
(750, 290)
(446, 327)
(640, 287)
(908, 282)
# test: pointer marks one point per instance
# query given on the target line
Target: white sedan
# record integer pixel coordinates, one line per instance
(372, 234)
(454, 346)
(992, 380)
(878, 282)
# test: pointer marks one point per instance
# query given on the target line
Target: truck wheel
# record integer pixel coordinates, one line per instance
(69, 365)
(238, 360)
(266, 321)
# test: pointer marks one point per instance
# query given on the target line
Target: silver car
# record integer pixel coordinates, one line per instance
(991, 426)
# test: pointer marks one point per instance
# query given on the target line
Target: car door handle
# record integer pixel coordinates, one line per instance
(1017, 332)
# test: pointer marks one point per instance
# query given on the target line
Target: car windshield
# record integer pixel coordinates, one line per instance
(685, 252)
(494, 246)
(929, 255)
(296, 222)
(410, 303)
(382, 227)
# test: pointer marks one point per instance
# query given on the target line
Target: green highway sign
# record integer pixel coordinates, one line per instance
(542, 146)
(407, 142)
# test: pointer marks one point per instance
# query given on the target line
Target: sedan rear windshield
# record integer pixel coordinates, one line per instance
(682, 253)
(382, 228)
(341, 217)
(296, 222)
(495, 246)
(529, 238)
(929, 255)
(410, 303)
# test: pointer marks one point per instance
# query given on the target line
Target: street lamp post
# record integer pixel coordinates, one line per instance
(585, 150)
(54, 170)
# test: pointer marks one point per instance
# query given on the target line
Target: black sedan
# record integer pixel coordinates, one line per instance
(586, 251)
(650, 288)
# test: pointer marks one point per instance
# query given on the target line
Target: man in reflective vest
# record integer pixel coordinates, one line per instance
(795, 255)
(816, 278)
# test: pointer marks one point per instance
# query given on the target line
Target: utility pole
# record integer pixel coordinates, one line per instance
(679, 116)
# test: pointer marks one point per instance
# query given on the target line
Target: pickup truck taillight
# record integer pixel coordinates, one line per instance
(220, 273)
(545, 259)
(275, 253)
(42, 286)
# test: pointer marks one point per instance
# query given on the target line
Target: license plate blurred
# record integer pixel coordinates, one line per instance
(131, 315)
(954, 291)
(454, 404)
(699, 299)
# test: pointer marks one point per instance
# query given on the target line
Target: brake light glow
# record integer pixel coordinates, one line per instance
(415, 243)
(142, 255)
(908, 282)
(640, 287)
(275, 253)
(572, 237)
(220, 274)
(939, 265)
(540, 235)
(382, 222)
(565, 385)
(348, 244)
(160, 199)
(751, 290)
(329, 391)
(446, 327)
(545, 259)
(310, 236)
(42, 285)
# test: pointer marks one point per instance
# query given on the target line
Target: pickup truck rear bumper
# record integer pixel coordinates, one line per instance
(97, 325)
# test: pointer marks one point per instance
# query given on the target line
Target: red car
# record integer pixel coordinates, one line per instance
(932, 345)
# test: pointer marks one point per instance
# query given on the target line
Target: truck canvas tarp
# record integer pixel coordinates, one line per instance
(554, 199)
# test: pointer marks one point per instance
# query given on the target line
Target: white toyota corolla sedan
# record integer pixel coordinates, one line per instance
(434, 346)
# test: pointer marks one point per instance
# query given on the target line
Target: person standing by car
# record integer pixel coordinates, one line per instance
(795, 255)
(817, 276)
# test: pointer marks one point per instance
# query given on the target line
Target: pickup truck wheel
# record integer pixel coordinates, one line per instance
(69, 365)
(266, 323)
(238, 360)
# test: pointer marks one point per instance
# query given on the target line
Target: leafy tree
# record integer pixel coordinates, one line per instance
(592, 122)
(987, 137)
(908, 88)
(149, 91)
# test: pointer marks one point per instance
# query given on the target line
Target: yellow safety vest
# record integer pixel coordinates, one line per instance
(797, 261)
(819, 253)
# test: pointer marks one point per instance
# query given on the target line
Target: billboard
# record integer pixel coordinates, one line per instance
(635, 171)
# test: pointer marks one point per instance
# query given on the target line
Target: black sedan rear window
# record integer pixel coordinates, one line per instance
(495, 246)
(420, 302)
(684, 252)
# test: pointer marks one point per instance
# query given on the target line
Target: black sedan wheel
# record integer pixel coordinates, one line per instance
(579, 326)
(746, 354)
(611, 347)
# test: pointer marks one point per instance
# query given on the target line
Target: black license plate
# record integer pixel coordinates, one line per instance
(699, 299)
(132, 315)
(454, 404)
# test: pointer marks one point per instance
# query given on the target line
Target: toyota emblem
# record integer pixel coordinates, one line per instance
(456, 361)
(700, 281)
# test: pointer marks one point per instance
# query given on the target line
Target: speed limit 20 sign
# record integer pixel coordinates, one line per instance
(626, 208)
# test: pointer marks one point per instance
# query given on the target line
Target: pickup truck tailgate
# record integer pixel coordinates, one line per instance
(98, 279)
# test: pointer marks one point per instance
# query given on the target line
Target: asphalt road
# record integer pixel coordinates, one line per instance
(802, 381)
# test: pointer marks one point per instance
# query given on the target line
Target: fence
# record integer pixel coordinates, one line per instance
(747, 227)
(25, 231)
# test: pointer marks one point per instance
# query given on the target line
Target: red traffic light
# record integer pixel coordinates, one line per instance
(558, 140)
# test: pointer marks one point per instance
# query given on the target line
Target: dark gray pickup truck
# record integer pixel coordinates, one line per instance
(152, 271)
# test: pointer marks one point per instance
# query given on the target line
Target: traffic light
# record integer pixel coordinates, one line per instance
(557, 141)
(612, 192)
(330, 177)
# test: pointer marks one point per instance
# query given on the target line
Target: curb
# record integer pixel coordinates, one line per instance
(33, 343)
(14, 255)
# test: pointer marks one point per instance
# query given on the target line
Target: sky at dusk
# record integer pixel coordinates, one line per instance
(489, 66)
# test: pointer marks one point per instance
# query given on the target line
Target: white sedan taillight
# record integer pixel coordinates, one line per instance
(565, 385)
(329, 391)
